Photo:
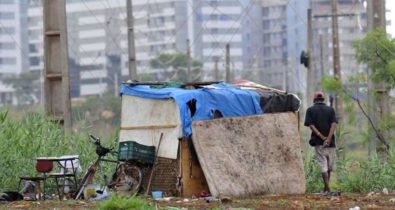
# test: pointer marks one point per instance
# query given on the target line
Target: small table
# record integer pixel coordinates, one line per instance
(69, 166)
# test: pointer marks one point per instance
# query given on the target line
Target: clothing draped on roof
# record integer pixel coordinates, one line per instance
(202, 103)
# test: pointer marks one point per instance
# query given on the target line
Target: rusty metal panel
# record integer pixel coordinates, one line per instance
(143, 120)
(251, 155)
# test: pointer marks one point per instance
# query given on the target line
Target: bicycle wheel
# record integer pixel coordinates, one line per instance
(128, 180)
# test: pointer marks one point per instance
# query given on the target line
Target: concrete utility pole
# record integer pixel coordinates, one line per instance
(336, 58)
(56, 68)
(189, 74)
(322, 56)
(227, 76)
(310, 77)
(216, 73)
(131, 46)
(377, 92)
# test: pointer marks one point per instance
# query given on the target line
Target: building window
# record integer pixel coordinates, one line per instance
(7, 61)
(32, 48)
(6, 1)
(266, 38)
(7, 15)
(7, 30)
(34, 61)
(224, 17)
(7, 46)
(265, 11)
(213, 3)
(213, 17)
(266, 24)
(266, 52)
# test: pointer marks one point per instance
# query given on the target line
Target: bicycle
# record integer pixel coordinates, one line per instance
(126, 179)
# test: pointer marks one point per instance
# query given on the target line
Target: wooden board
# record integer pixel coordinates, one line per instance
(251, 155)
(192, 177)
(143, 120)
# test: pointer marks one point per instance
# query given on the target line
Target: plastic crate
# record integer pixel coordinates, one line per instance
(131, 150)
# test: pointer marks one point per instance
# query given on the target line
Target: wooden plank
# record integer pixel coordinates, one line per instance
(193, 180)
(148, 127)
(251, 155)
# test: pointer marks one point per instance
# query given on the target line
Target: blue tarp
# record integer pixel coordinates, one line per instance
(231, 101)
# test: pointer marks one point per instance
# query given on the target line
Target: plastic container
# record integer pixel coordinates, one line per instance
(156, 195)
(131, 150)
(90, 191)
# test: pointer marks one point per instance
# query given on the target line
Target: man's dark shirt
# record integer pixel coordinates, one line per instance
(321, 116)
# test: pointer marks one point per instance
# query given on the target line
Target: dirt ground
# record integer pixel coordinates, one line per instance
(308, 201)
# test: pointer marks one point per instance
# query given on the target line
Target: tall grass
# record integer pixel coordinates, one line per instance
(32, 136)
(312, 172)
(351, 175)
(366, 176)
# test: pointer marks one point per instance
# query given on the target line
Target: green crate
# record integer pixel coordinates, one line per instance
(131, 150)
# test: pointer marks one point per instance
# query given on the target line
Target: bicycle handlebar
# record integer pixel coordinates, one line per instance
(100, 150)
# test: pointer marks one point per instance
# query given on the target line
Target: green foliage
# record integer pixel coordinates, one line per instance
(312, 172)
(33, 136)
(376, 52)
(366, 176)
(175, 66)
(331, 84)
(117, 202)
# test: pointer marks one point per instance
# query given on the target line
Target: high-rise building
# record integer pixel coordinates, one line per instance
(97, 38)
(13, 36)
(352, 22)
(274, 63)
(218, 23)
(283, 35)
(13, 44)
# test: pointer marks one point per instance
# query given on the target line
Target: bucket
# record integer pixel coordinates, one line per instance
(156, 195)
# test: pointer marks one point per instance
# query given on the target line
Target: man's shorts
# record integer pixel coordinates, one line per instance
(326, 158)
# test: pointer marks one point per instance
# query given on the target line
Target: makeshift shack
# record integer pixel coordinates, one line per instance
(217, 137)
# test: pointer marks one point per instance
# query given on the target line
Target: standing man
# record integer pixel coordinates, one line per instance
(322, 121)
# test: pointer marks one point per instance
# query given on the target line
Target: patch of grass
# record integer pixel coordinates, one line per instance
(117, 202)
(366, 176)
(312, 172)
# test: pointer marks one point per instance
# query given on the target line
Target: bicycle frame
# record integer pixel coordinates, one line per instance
(127, 177)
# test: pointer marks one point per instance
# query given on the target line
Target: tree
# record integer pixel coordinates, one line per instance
(376, 51)
(175, 67)
(26, 85)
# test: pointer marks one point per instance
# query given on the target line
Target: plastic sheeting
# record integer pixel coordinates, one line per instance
(202, 104)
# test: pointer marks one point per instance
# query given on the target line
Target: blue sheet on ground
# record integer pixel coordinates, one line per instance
(231, 101)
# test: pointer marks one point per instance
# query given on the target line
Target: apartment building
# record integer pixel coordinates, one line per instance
(352, 25)
(97, 38)
(284, 37)
(217, 23)
(13, 44)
